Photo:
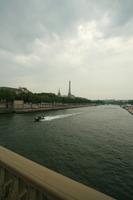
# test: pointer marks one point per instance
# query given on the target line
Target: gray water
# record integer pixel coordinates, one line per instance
(91, 145)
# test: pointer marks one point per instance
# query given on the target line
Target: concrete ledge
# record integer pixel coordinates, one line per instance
(48, 109)
(52, 107)
(45, 180)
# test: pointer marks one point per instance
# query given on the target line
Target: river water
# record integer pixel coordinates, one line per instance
(92, 145)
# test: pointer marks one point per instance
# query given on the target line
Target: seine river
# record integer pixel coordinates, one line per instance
(91, 145)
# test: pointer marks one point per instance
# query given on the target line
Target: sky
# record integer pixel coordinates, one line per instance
(46, 43)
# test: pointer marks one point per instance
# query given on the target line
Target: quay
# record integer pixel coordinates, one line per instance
(21, 100)
(129, 108)
(19, 106)
(49, 108)
(23, 179)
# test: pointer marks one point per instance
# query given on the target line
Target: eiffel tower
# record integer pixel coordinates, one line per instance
(69, 90)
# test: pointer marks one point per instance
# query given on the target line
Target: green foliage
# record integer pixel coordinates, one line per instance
(130, 102)
(98, 102)
(9, 95)
(6, 94)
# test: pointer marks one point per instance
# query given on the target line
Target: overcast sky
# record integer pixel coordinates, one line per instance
(46, 43)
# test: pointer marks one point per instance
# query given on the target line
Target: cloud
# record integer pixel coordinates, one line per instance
(43, 44)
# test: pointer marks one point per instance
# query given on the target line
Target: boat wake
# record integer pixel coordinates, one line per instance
(50, 118)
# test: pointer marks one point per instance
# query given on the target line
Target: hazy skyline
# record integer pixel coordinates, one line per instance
(46, 43)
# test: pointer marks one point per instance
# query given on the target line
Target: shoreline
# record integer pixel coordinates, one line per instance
(30, 110)
(128, 109)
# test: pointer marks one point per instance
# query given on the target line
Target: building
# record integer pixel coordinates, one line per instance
(69, 95)
(18, 104)
(69, 91)
(59, 93)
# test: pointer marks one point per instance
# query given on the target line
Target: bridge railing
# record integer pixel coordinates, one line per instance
(23, 179)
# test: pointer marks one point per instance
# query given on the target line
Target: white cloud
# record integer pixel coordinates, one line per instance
(26, 60)
(92, 49)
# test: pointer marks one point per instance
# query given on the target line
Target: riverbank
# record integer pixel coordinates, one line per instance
(6, 110)
(50, 107)
(129, 108)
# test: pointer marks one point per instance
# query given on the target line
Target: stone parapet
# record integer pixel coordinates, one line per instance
(24, 179)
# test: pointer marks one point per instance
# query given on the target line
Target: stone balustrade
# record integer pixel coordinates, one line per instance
(23, 179)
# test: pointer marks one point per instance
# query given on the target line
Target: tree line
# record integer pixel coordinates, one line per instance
(9, 95)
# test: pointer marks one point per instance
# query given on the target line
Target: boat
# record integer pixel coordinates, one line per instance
(38, 118)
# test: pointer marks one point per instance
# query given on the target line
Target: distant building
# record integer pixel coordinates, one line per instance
(18, 104)
(59, 93)
(69, 91)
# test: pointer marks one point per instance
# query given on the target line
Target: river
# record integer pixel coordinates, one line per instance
(92, 145)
